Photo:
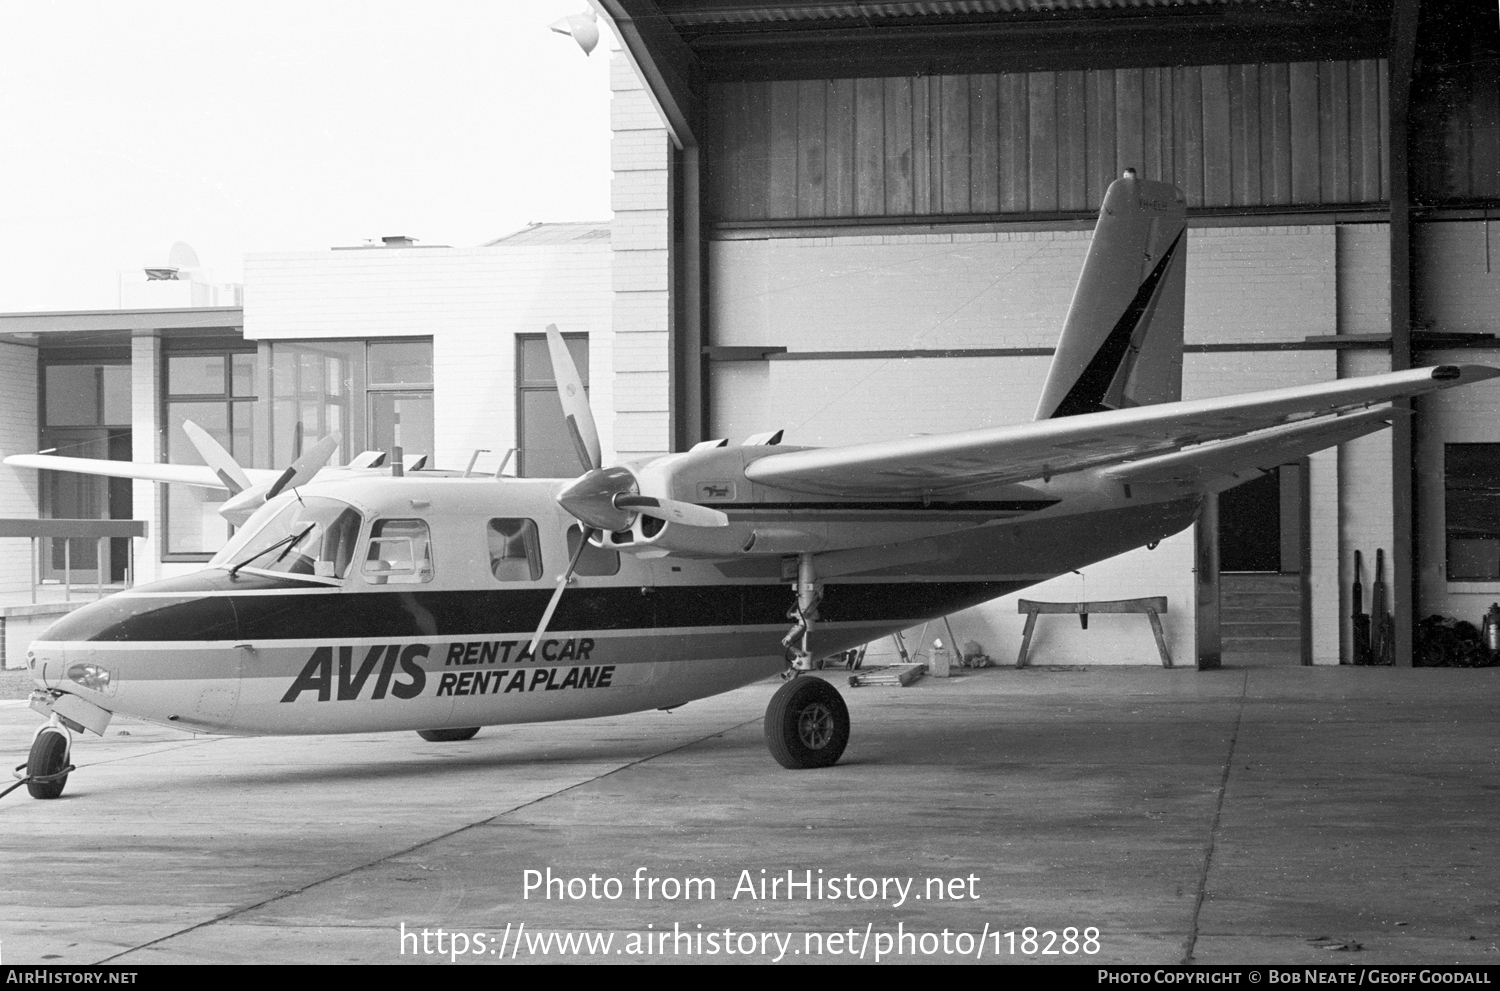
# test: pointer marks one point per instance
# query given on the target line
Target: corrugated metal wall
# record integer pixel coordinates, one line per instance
(1301, 133)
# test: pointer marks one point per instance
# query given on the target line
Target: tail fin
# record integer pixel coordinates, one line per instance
(1121, 344)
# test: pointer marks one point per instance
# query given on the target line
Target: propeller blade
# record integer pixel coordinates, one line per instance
(220, 460)
(686, 513)
(301, 471)
(562, 583)
(575, 402)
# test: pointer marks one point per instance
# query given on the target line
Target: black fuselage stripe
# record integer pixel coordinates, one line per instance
(468, 613)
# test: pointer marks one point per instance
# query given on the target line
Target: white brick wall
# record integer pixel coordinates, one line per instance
(1364, 278)
(1001, 290)
(1453, 292)
(18, 435)
(639, 234)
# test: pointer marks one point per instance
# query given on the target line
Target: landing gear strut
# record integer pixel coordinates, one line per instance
(805, 612)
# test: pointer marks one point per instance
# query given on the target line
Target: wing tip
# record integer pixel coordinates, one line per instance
(1463, 374)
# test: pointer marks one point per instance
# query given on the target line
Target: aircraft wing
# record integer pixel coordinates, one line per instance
(951, 463)
(200, 475)
(1225, 463)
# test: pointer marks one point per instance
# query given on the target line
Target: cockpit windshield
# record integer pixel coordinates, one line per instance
(310, 536)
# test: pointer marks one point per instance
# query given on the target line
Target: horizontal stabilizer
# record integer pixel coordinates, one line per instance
(1227, 461)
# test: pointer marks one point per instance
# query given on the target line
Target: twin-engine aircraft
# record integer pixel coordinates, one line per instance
(353, 600)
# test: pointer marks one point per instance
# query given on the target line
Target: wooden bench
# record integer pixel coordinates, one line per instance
(1153, 608)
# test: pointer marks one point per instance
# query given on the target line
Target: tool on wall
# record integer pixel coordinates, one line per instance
(1381, 641)
(1358, 621)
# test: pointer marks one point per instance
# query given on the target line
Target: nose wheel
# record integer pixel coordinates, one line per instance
(807, 724)
(47, 767)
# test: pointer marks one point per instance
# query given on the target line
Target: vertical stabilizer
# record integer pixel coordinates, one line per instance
(1121, 344)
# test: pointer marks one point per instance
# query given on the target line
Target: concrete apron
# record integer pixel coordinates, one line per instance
(1243, 816)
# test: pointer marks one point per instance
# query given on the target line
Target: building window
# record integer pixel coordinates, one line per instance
(86, 413)
(1471, 509)
(374, 393)
(545, 448)
(216, 390)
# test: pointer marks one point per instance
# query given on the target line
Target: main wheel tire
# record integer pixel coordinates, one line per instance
(448, 735)
(807, 724)
(49, 755)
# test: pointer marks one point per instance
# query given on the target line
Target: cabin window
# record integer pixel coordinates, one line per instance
(400, 553)
(515, 550)
(595, 560)
(1472, 511)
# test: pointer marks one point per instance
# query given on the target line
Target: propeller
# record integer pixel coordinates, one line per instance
(244, 496)
(602, 499)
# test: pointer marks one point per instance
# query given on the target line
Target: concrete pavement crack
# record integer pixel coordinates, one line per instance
(1190, 944)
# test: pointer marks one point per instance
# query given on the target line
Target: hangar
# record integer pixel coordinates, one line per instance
(877, 211)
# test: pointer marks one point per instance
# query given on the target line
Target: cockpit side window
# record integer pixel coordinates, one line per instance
(515, 550)
(400, 553)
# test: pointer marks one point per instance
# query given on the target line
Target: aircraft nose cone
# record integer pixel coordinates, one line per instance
(591, 498)
(173, 610)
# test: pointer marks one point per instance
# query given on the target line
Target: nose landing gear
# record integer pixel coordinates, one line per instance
(46, 770)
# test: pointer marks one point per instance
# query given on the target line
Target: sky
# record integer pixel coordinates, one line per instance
(244, 127)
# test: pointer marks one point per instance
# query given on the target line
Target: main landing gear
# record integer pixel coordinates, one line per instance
(807, 722)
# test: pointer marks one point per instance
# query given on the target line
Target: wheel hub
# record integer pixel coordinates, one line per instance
(815, 726)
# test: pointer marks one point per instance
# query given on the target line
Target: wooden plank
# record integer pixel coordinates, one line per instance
(1383, 83)
(1161, 640)
(812, 164)
(1072, 159)
(953, 143)
(840, 148)
(1338, 118)
(900, 150)
(1358, 139)
(1218, 160)
(921, 145)
(1303, 100)
(1275, 134)
(1244, 136)
(754, 165)
(1041, 90)
(1485, 150)
(1129, 109)
(781, 196)
(984, 144)
(1026, 639)
(721, 139)
(1156, 126)
(1158, 603)
(1015, 194)
(872, 152)
(1101, 134)
(1187, 90)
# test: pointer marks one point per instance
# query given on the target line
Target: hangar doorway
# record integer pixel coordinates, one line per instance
(1263, 565)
